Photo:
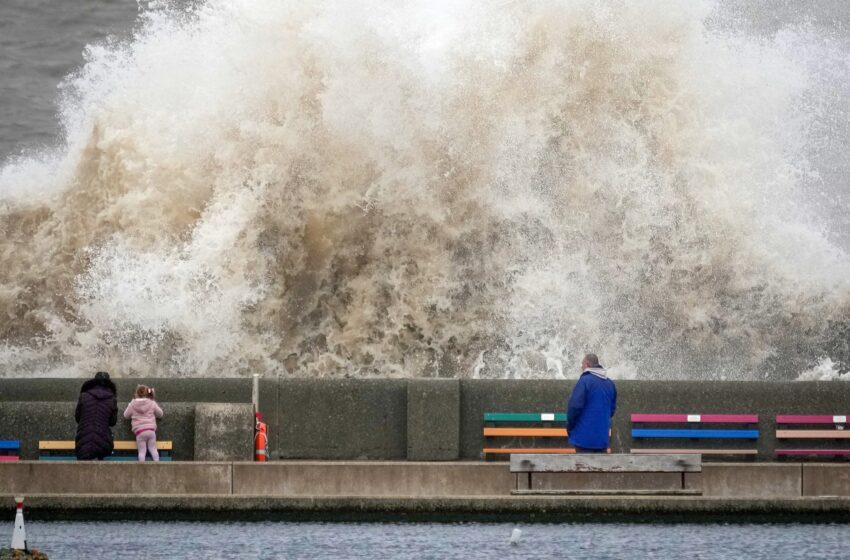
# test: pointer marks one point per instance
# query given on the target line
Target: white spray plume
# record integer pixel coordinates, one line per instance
(397, 188)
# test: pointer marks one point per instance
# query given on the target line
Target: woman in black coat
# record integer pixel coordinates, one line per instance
(97, 412)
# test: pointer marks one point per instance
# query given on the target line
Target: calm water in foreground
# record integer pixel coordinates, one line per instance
(433, 540)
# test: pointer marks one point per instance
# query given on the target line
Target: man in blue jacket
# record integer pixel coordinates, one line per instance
(590, 408)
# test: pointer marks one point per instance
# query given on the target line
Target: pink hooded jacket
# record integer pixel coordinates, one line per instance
(143, 413)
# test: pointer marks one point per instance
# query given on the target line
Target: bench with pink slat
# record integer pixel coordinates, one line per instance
(10, 450)
(726, 434)
(826, 434)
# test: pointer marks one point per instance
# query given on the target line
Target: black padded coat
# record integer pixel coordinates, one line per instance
(97, 412)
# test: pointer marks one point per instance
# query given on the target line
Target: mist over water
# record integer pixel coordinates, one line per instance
(421, 188)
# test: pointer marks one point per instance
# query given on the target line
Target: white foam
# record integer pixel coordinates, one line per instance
(401, 189)
(825, 370)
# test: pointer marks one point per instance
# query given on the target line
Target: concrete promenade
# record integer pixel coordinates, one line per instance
(449, 490)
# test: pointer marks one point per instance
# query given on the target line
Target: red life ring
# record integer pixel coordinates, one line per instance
(261, 442)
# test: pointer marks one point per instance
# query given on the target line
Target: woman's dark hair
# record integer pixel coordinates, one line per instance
(100, 379)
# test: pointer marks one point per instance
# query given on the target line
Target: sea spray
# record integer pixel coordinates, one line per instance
(825, 370)
(422, 189)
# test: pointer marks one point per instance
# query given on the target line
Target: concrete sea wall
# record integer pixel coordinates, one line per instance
(204, 421)
(411, 489)
(388, 419)
(411, 479)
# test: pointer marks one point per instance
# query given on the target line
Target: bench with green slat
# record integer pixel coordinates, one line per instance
(524, 432)
(559, 417)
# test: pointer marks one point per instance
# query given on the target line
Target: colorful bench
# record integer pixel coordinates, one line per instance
(521, 427)
(63, 450)
(10, 450)
(740, 428)
(524, 429)
(823, 430)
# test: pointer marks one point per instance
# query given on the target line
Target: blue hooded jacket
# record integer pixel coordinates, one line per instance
(590, 408)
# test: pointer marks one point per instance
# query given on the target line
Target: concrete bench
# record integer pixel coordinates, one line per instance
(616, 464)
(688, 429)
(524, 429)
(824, 431)
(10, 450)
(63, 450)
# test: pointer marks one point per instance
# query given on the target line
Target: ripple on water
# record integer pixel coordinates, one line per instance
(151, 540)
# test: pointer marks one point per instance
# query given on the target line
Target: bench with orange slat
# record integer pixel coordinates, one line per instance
(528, 432)
(123, 450)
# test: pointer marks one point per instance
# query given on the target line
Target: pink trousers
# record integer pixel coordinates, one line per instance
(146, 442)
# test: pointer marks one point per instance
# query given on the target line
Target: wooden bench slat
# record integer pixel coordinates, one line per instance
(525, 432)
(602, 492)
(10, 444)
(813, 451)
(132, 458)
(120, 445)
(124, 445)
(694, 434)
(651, 451)
(813, 434)
(697, 418)
(528, 432)
(525, 417)
(111, 458)
(61, 445)
(511, 450)
(621, 463)
(7, 458)
(809, 419)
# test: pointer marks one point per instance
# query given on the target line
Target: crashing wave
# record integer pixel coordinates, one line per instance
(423, 189)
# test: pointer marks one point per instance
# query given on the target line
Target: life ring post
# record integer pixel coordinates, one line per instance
(261, 439)
(255, 393)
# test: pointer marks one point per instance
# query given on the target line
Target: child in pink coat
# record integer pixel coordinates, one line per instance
(143, 411)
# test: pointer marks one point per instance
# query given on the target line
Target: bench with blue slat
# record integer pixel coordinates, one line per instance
(689, 427)
(63, 450)
(10, 450)
(695, 434)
